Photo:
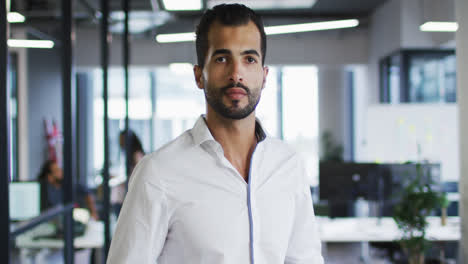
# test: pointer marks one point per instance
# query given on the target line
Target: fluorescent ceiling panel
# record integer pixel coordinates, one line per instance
(181, 5)
(272, 30)
(26, 43)
(266, 4)
(314, 26)
(15, 17)
(433, 26)
(176, 37)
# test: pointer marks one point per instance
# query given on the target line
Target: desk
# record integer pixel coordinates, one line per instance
(370, 229)
(36, 250)
(92, 238)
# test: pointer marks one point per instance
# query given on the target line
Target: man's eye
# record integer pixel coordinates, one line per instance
(251, 60)
(220, 59)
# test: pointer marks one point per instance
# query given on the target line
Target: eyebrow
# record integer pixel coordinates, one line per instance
(226, 51)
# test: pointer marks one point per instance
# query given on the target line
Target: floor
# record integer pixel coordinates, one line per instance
(336, 253)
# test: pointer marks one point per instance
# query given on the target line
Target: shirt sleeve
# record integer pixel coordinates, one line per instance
(304, 244)
(143, 221)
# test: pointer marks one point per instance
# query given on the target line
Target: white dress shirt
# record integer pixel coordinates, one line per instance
(187, 204)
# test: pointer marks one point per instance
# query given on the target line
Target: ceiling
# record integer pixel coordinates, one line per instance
(150, 15)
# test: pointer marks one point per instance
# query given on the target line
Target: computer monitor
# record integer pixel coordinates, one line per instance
(347, 181)
(342, 183)
(24, 200)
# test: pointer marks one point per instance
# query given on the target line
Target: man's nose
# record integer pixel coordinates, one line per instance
(236, 74)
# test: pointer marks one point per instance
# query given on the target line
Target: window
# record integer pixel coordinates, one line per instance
(178, 102)
(268, 108)
(300, 114)
(418, 76)
(432, 78)
(139, 112)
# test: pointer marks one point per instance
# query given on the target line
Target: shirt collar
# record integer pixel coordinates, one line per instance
(201, 133)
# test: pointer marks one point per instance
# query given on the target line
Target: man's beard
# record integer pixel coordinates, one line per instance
(214, 97)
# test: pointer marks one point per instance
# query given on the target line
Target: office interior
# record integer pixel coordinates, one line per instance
(384, 94)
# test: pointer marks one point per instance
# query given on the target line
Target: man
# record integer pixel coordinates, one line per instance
(223, 192)
(50, 178)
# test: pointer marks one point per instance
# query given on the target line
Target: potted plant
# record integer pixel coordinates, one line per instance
(417, 201)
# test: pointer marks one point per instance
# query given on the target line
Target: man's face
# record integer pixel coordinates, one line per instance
(233, 76)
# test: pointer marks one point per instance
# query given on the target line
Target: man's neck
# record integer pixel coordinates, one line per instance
(237, 137)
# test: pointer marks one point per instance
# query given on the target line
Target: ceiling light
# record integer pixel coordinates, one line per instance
(176, 37)
(272, 30)
(15, 17)
(315, 26)
(432, 26)
(177, 5)
(26, 43)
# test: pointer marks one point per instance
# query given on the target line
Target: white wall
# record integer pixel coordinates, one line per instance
(415, 13)
(23, 135)
(384, 38)
(361, 98)
(414, 132)
(332, 102)
(338, 48)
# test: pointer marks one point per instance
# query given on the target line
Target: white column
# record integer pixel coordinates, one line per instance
(461, 9)
(333, 103)
(22, 106)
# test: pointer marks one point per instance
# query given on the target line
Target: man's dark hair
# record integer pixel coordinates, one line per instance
(229, 15)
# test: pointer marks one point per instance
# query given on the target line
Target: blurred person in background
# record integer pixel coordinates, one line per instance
(136, 149)
(50, 179)
(136, 153)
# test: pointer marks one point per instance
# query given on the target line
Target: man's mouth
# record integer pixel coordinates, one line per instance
(236, 93)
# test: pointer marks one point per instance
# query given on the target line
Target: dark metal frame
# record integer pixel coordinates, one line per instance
(69, 126)
(126, 62)
(384, 92)
(4, 140)
(105, 65)
(404, 64)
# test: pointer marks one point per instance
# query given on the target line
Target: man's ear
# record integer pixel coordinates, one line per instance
(265, 74)
(198, 73)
